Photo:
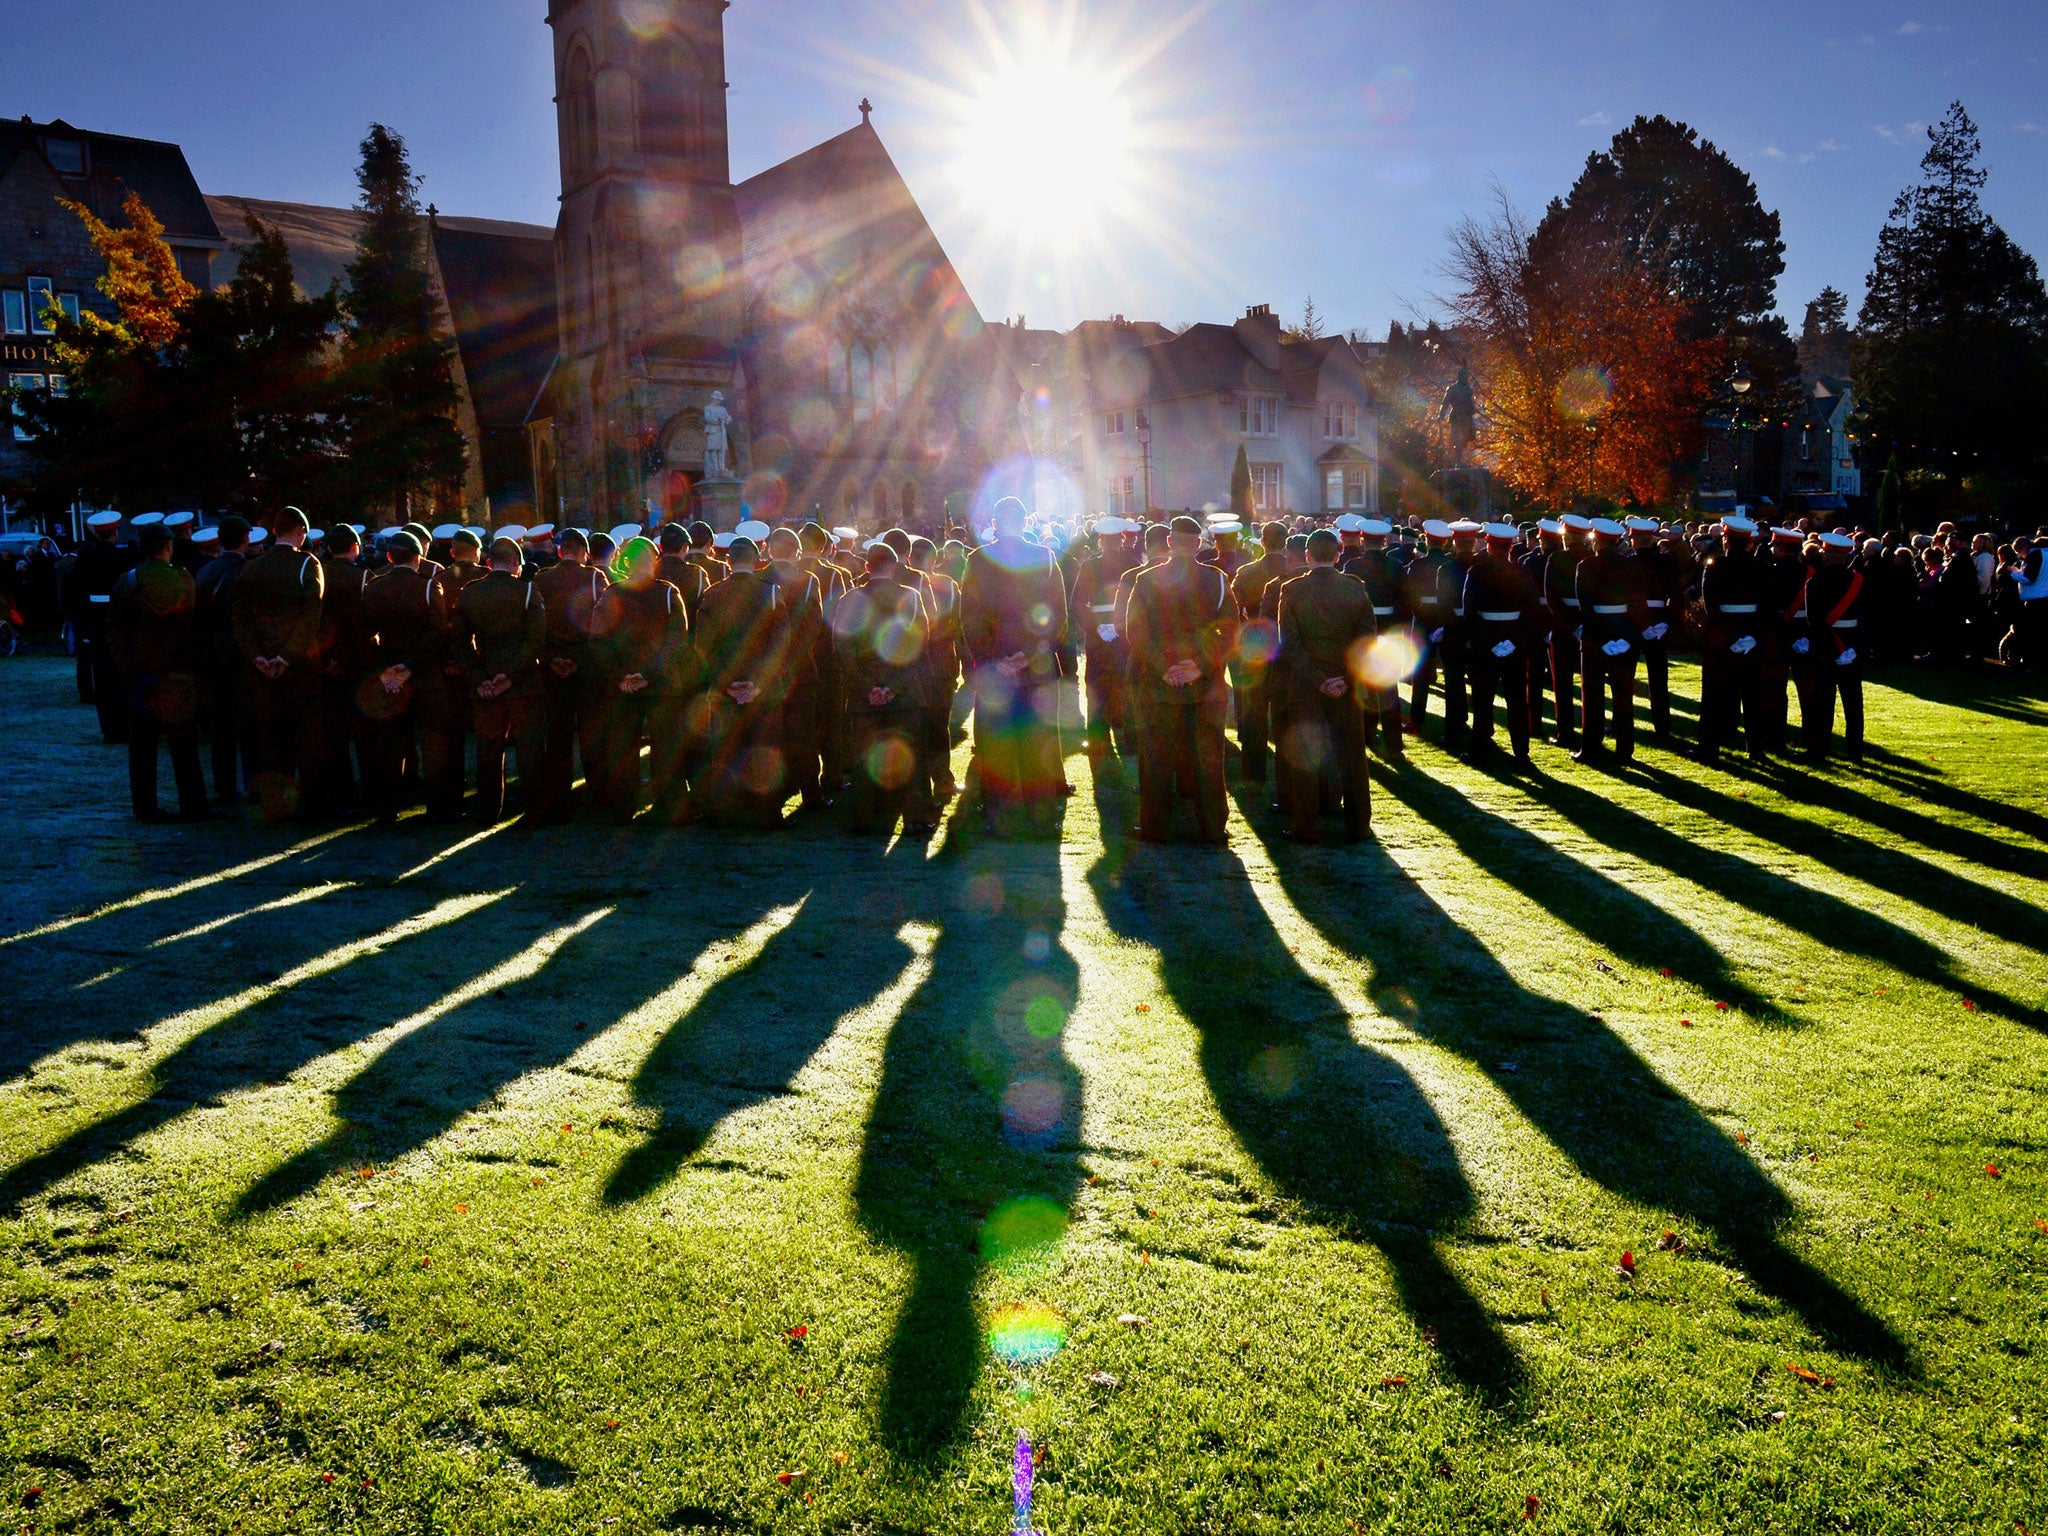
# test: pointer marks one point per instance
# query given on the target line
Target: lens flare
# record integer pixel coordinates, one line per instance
(1276, 1071)
(1390, 97)
(1045, 1018)
(1022, 1235)
(1259, 642)
(1584, 392)
(890, 762)
(1387, 660)
(1025, 1335)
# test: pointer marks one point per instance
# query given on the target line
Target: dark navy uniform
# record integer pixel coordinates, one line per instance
(1836, 605)
(1612, 618)
(1662, 582)
(1382, 578)
(1500, 607)
(1324, 617)
(1561, 597)
(1733, 595)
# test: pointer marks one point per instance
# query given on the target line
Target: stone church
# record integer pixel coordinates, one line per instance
(811, 304)
(814, 299)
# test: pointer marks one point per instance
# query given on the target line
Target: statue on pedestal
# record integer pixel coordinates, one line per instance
(1461, 411)
(717, 437)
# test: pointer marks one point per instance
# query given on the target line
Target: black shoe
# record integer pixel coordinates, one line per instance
(1288, 834)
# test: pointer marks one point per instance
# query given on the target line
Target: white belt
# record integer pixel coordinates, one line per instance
(1569, 602)
(1457, 613)
(1383, 612)
(1800, 614)
(1655, 602)
(1103, 608)
(99, 597)
(1609, 608)
(1738, 607)
(1502, 618)
(1845, 624)
(1430, 602)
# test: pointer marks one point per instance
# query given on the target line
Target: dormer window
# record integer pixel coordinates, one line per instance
(66, 155)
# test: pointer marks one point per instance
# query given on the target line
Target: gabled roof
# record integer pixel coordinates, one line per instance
(833, 202)
(323, 240)
(116, 166)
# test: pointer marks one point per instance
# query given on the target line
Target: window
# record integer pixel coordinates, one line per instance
(60, 385)
(862, 373)
(16, 304)
(1344, 488)
(838, 370)
(1258, 415)
(39, 295)
(1340, 421)
(885, 375)
(582, 114)
(68, 302)
(910, 503)
(1333, 490)
(22, 383)
(1123, 495)
(66, 155)
(884, 513)
(1266, 488)
(1115, 425)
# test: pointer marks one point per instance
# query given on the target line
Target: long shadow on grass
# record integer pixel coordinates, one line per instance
(752, 1033)
(1335, 1125)
(978, 1108)
(1902, 874)
(2006, 695)
(1828, 920)
(1966, 842)
(278, 1035)
(1605, 911)
(1576, 1081)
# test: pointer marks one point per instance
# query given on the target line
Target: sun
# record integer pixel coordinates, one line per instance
(1046, 151)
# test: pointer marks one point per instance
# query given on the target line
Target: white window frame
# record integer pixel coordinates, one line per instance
(1333, 490)
(1269, 488)
(21, 384)
(1115, 423)
(39, 289)
(68, 302)
(16, 311)
(1258, 415)
(1340, 421)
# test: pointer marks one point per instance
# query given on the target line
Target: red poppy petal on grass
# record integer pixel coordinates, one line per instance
(1991, 1169)
(1627, 1266)
(1530, 1506)
(800, 1331)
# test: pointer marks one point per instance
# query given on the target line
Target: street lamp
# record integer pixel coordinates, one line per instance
(1741, 382)
(1145, 442)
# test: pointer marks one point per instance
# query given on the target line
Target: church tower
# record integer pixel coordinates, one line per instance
(647, 249)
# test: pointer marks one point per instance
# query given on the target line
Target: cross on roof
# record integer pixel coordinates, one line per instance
(867, 109)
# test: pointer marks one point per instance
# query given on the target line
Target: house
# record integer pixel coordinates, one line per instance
(1819, 453)
(1143, 418)
(46, 255)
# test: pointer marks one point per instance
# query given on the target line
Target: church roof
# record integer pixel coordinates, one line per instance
(323, 240)
(115, 166)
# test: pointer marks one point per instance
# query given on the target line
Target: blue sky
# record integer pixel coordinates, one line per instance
(1291, 146)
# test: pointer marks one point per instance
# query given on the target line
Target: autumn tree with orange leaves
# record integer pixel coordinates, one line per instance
(1589, 386)
(142, 279)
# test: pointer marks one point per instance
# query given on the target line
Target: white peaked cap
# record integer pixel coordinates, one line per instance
(752, 528)
(104, 520)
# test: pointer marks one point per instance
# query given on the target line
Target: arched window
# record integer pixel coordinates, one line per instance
(839, 370)
(849, 503)
(672, 113)
(579, 112)
(909, 503)
(885, 376)
(862, 370)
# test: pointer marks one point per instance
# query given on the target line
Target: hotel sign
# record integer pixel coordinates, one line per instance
(15, 352)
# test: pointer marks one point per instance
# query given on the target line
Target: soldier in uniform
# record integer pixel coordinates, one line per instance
(569, 591)
(1733, 592)
(677, 568)
(89, 595)
(1561, 598)
(942, 669)
(220, 666)
(1326, 621)
(1013, 615)
(805, 716)
(1371, 564)
(184, 553)
(1092, 603)
(445, 717)
(1549, 539)
(1613, 617)
(745, 645)
(1785, 585)
(500, 628)
(1828, 654)
(343, 660)
(1500, 603)
(881, 630)
(1252, 665)
(405, 648)
(1430, 593)
(1182, 635)
(1662, 585)
(277, 610)
(640, 634)
(1453, 652)
(149, 633)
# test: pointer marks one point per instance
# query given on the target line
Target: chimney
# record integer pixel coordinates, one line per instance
(1259, 333)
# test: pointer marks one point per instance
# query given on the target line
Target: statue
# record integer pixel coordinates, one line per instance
(1460, 409)
(717, 439)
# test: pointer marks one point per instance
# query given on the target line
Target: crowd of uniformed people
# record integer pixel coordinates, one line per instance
(712, 677)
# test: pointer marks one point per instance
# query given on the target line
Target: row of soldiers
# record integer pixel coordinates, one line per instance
(778, 665)
(741, 675)
(1316, 667)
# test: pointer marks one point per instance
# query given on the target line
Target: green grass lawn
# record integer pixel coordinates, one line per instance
(416, 1181)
